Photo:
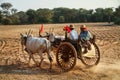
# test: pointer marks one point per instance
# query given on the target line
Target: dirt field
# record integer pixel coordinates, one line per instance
(13, 62)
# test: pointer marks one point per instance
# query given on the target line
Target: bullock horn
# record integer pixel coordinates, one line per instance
(52, 29)
(29, 32)
(49, 30)
(21, 34)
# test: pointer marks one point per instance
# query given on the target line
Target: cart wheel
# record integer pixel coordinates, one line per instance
(66, 56)
(92, 57)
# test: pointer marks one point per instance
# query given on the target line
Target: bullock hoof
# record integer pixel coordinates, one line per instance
(37, 65)
(40, 67)
(28, 64)
(50, 69)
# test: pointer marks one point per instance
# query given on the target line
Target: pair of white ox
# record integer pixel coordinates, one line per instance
(38, 45)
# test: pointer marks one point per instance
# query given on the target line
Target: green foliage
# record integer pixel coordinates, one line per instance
(44, 15)
(117, 21)
(117, 12)
(61, 19)
(5, 16)
(0, 16)
(23, 17)
(15, 19)
(6, 6)
(13, 11)
(68, 14)
(31, 16)
(6, 21)
(108, 14)
(117, 16)
(9, 15)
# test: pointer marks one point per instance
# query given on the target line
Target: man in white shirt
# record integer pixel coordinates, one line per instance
(73, 34)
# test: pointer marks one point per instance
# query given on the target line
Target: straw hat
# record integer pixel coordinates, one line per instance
(72, 26)
(83, 27)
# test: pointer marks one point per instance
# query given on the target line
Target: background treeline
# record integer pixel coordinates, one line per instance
(10, 15)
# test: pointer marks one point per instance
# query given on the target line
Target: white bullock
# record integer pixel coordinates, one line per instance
(36, 45)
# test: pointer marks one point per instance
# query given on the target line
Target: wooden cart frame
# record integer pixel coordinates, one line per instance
(68, 52)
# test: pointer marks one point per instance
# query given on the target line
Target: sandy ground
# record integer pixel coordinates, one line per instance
(13, 62)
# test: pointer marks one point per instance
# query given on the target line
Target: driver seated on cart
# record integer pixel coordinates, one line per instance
(73, 34)
(85, 37)
(72, 37)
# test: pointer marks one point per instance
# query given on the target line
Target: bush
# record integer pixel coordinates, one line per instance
(117, 21)
(6, 21)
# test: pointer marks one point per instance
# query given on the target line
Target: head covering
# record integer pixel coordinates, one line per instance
(71, 26)
(67, 28)
(83, 27)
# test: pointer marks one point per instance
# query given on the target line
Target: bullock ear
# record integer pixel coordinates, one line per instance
(21, 34)
(46, 33)
(52, 29)
(31, 31)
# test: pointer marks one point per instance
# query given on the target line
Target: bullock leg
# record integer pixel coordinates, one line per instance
(50, 59)
(41, 57)
(34, 60)
(31, 57)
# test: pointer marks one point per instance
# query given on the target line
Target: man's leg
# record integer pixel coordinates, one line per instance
(85, 47)
(85, 50)
(89, 45)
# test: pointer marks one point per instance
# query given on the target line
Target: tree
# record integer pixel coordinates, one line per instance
(98, 15)
(61, 19)
(6, 6)
(117, 12)
(108, 14)
(31, 16)
(0, 16)
(44, 15)
(10, 15)
(68, 14)
(6, 21)
(57, 13)
(117, 16)
(13, 11)
(23, 17)
(84, 15)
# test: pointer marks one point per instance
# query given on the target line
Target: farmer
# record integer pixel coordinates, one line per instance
(73, 34)
(85, 37)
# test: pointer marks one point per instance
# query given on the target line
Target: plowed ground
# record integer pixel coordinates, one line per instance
(13, 62)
